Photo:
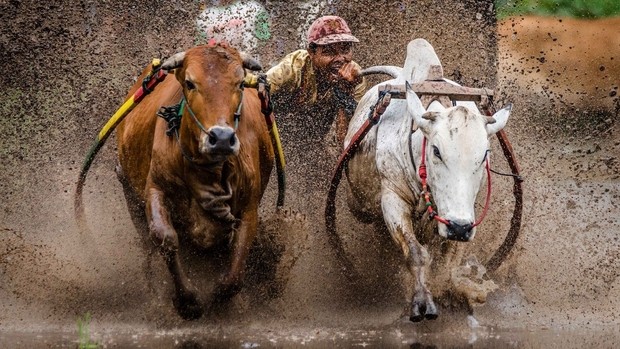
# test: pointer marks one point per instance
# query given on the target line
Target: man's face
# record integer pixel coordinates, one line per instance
(328, 59)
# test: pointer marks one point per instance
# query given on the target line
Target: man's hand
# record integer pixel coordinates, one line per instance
(350, 76)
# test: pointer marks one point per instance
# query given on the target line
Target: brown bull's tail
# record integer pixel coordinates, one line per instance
(78, 202)
(156, 76)
(108, 128)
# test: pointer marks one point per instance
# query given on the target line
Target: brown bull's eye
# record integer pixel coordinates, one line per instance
(190, 85)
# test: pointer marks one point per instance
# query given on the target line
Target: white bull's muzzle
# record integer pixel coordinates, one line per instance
(458, 230)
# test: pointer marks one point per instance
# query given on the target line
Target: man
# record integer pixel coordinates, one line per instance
(316, 85)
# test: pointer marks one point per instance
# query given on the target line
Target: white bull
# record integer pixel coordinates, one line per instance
(384, 181)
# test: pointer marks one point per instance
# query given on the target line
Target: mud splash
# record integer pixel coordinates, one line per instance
(69, 67)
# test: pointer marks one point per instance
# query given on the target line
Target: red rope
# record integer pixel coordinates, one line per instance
(488, 199)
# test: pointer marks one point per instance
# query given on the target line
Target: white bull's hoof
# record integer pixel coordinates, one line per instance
(423, 308)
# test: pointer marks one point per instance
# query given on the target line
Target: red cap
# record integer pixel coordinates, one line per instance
(328, 30)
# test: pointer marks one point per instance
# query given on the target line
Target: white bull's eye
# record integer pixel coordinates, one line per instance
(437, 153)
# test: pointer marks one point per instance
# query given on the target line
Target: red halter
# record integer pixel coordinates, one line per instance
(427, 195)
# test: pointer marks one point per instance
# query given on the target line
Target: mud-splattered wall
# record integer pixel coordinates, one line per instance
(66, 68)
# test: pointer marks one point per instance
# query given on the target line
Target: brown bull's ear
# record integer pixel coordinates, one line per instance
(174, 62)
(249, 62)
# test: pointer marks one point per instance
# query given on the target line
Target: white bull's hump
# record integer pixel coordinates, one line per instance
(420, 57)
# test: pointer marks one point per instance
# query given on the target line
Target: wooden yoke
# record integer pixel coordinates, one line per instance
(436, 88)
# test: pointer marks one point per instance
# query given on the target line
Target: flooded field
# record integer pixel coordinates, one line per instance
(267, 337)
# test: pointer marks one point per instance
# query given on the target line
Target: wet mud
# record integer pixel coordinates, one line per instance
(66, 69)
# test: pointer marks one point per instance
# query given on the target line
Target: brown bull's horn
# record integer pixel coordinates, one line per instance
(490, 120)
(249, 62)
(173, 62)
(390, 70)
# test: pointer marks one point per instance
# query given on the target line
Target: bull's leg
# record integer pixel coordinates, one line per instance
(397, 215)
(230, 284)
(166, 238)
(136, 208)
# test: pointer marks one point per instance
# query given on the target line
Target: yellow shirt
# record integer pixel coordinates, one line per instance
(293, 83)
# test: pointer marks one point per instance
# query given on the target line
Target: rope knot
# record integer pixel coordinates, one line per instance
(172, 115)
(422, 171)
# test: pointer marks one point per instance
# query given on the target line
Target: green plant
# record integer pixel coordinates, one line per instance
(559, 8)
(84, 341)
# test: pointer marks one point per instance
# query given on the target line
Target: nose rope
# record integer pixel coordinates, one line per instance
(191, 112)
(427, 195)
(183, 104)
(488, 198)
(432, 214)
(237, 114)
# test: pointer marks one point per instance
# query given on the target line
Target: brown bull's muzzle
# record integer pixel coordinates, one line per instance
(220, 141)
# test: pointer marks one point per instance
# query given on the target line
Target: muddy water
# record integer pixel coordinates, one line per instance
(69, 67)
(256, 337)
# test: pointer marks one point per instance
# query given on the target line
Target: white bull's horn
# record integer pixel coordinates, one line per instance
(249, 62)
(430, 115)
(174, 62)
(391, 70)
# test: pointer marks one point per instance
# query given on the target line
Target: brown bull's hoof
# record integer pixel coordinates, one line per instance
(188, 307)
(223, 293)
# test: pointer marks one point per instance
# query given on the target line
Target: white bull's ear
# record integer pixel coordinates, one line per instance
(501, 118)
(415, 107)
(174, 62)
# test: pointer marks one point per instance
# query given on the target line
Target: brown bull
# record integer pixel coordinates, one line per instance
(207, 179)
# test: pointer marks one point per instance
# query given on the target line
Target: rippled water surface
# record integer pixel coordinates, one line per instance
(323, 338)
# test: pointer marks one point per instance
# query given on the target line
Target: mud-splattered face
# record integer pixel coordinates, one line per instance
(328, 59)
